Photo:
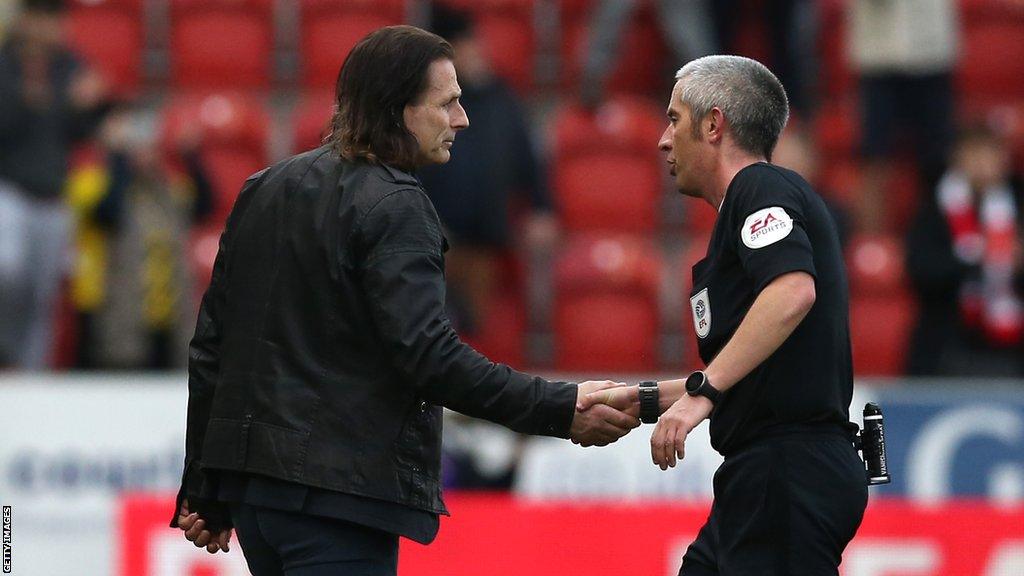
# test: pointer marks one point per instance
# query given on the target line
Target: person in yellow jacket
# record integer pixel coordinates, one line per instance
(132, 282)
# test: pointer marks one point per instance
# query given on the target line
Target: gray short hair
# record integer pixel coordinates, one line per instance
(747, 93)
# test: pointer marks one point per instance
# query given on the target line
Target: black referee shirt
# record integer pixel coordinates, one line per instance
(771, 223)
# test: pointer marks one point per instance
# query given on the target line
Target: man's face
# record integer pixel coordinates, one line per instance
(436, 115)
(685, 151)
(984, 163)
(42, 31)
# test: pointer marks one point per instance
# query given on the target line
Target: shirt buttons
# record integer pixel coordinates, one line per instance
(424, 406)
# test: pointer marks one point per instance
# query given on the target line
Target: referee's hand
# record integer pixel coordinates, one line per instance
(668, 442)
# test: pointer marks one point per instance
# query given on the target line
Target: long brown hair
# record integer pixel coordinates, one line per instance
(383, 73)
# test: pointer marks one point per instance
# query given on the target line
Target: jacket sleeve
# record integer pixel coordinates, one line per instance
(399, 249)
(204, 365)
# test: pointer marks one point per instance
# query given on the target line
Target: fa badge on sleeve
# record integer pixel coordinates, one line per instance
(701, 307)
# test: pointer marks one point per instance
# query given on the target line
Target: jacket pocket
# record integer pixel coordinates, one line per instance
(418, 447)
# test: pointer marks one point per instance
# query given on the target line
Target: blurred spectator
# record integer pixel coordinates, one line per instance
(48, 101)
(796, 150)
(135, 306)
(791, 28)
(479, 455)
(905, 52)
(686, 25)
(964, 257)
(7, 8)
(495, 163)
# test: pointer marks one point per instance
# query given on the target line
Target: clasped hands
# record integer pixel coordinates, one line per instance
(618, 406)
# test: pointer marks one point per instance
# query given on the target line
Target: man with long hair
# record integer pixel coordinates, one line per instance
(323, 354)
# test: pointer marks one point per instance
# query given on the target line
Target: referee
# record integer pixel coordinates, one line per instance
(771, 316)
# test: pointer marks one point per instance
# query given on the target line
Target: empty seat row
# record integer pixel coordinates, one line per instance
(230, 43)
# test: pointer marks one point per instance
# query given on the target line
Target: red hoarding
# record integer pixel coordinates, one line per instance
(497, 535)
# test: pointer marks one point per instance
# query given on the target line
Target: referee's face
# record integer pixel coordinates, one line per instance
(684, 150)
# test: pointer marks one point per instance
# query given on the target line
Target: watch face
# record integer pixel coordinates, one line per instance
(694, 382)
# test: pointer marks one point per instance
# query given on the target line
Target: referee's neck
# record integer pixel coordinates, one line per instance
(731, 162)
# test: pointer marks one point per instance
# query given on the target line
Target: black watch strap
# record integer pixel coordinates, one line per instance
(648, 392)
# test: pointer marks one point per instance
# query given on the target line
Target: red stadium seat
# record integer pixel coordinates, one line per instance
(975, 11)
(880, 328)
(992, 60)
(109, 34)
(837, 78)
(221, 44)
(500, 328)
(608, 172)
(501, 336)
(506, 28)
(606, 305)
(310, 119)
(234, 135)
(328, 29)
(875, 265)
(837, 129)
(638, 69)
(882, 311)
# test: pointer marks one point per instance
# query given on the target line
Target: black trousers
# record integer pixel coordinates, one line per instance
(278, 543)
(783, 507)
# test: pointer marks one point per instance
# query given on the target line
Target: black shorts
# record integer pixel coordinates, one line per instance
(783, 506)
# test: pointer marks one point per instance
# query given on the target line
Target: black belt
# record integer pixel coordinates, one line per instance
(802, 431)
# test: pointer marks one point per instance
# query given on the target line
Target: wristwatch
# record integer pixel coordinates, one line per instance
(697, 384)
(648, 392)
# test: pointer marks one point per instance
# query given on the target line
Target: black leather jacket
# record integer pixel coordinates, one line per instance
(322, 353)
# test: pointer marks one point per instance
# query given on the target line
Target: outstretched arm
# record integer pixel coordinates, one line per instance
(775, 313)
(400, 250)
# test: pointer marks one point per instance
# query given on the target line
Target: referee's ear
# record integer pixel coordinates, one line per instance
(714, 125)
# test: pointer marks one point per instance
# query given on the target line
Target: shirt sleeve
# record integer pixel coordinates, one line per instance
(402, 274)
(770, 230)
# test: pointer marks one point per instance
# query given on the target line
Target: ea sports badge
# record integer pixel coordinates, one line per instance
(765, 227)
(700, 305)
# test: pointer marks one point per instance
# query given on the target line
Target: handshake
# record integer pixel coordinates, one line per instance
(607, 411)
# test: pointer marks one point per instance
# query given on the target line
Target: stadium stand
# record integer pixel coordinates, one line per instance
(110, 35)
(605, 171)
(234, 131)
(608, 173)
(985, 70)
(507, 30)
(309, 120)
(641, 50)
(328, 29)
(606, 304)
(221, 44)
(881, 308)
(501, 333)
